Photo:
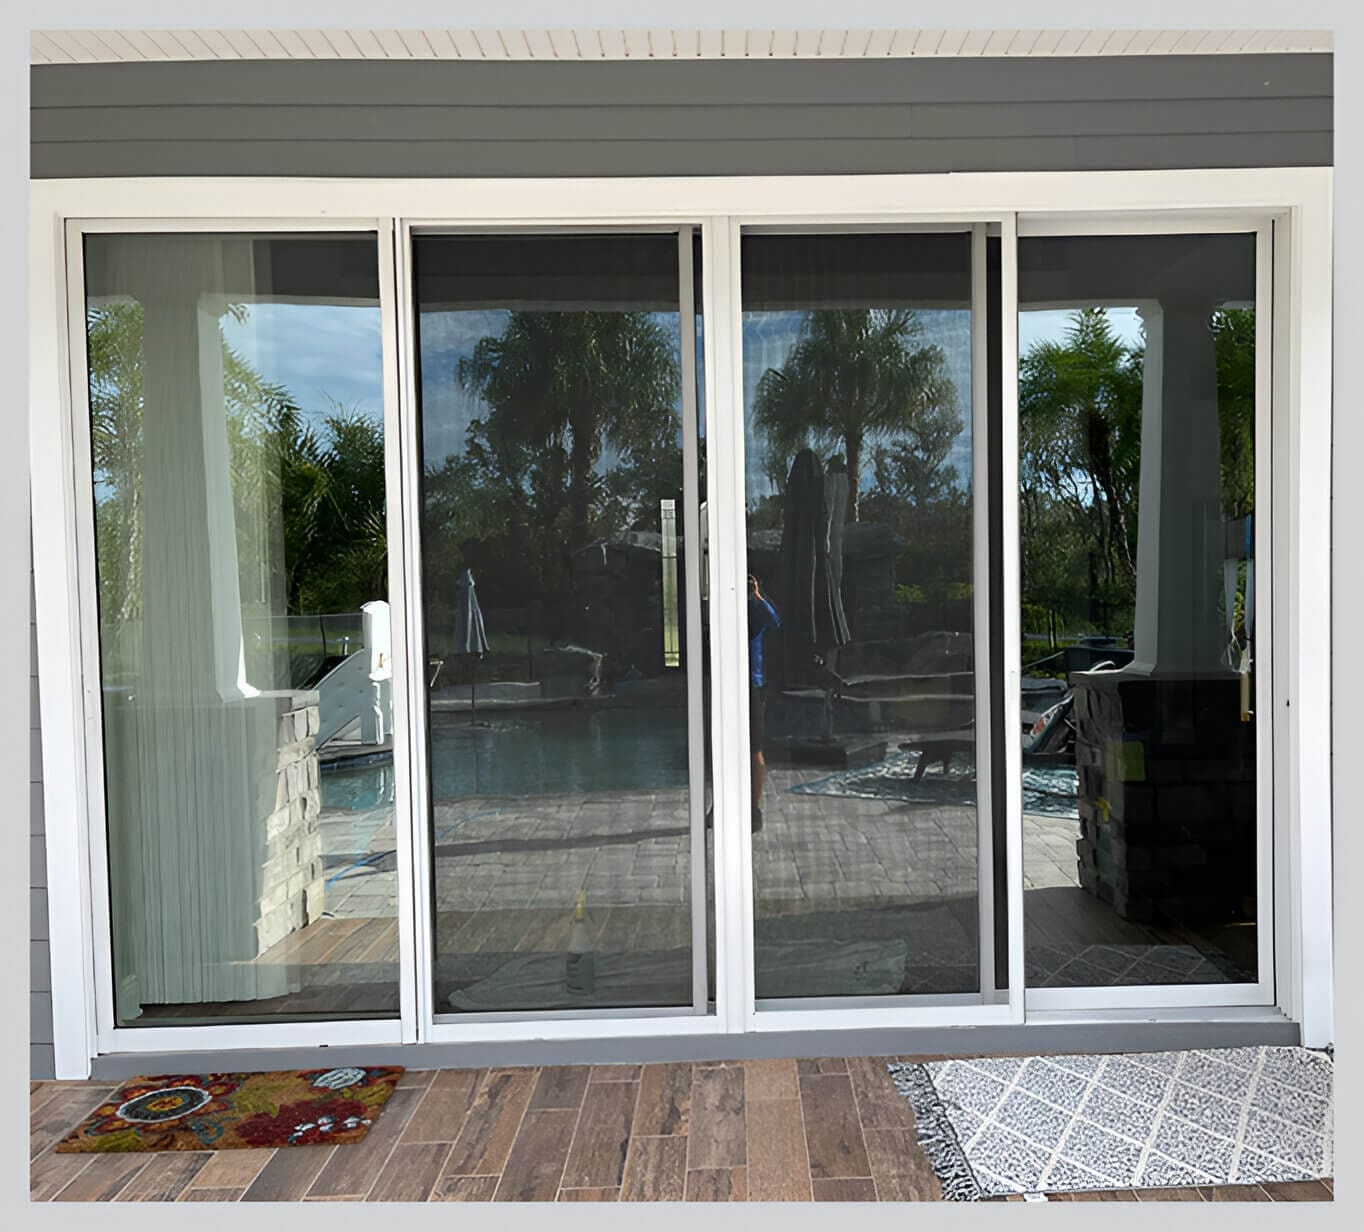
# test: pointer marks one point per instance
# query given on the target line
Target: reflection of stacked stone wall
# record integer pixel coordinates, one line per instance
(1167, 798)
(292, 880)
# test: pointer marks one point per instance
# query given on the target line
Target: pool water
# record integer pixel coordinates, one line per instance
(552, 752)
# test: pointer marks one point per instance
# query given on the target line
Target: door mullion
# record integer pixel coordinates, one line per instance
(694, 657)
(982, 597)
(412, 786)
(1010, 591)
(728, 617)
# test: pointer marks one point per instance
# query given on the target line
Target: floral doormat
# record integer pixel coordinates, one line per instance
(992, 1126)
(219, 1112)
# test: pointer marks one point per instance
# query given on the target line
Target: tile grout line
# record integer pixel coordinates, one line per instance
(78, 1173)
(573, 1137)
(463, 1120)
(379, 1171)
(691, 1112)
(630, 1140)
(516, 1137)
(444, 1159)
(193, 1184)
(862, 1129)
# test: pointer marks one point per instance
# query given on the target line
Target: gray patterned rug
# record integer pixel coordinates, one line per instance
(1228, 1116)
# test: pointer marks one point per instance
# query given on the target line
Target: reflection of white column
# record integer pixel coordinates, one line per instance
(1179, 533)
(196, 751)
(224, 578)
(376, 725)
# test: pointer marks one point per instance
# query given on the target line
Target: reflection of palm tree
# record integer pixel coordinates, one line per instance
(314, 501)
(1079, 409)
(853, 374)
(565, 384)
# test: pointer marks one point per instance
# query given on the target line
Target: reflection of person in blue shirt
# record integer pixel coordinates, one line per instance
(762, 616)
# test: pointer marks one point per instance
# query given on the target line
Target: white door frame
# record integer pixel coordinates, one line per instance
(1261, 991)
(108, 1037)
(1299, 201)
(990, 1006)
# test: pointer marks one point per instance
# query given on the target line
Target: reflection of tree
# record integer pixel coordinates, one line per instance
(1080, 407)
(561, 386)
(1233, 331)
(918, 493)
(854, 375)
(580, 441)
(1079, 414)
(331, 494)
(114, 355)
(308, 505)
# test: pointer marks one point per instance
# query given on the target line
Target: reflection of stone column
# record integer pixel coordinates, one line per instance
(1179, 534)
(1166, 767)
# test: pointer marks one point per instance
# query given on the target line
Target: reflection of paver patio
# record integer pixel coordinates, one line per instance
(832, 868)
(633, 849)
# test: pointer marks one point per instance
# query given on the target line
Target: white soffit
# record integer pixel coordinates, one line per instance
(115, 46)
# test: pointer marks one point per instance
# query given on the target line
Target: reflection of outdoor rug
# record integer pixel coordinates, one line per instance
(1049, 790)
(1230, 1116)
(1116, 966)
(785, 969)
(189, 1112)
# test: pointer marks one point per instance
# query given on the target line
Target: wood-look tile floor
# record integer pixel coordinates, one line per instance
(833, 1130)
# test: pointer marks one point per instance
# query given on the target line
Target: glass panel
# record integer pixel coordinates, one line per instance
(1137, 522)
(555, 577)
(857, 399)
(237, 423)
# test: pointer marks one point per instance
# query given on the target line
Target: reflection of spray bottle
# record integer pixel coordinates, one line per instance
(580, 963)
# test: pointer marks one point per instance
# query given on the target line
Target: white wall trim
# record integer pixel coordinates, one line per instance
(1309, 699)
(56, 610)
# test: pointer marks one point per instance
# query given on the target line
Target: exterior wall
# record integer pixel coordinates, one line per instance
(704, 117)
(40, 968)
(447, 119)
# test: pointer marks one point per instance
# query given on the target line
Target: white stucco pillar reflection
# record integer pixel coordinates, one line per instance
(1178, 628)
(191, 746)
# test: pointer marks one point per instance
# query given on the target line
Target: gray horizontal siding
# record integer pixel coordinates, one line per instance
(40, 1059)
(367, 118)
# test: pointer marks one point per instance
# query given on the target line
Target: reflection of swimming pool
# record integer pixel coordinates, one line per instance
(547, 752)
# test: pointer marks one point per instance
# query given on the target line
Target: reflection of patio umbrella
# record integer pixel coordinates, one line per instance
(813, 621)
(836, 502)
(470, 636)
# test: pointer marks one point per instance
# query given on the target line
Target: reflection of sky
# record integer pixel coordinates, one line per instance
(322, 353)
(769, 338)
(325, 354)
(447, 407)
(1052, 325)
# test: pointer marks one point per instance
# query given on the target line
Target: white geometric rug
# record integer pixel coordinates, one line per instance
(1226, 1116)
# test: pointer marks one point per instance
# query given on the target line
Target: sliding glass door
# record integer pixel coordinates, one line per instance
(561, 552)
(976, 737)
(868, 728)
(236, 421)
(1143, 500)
